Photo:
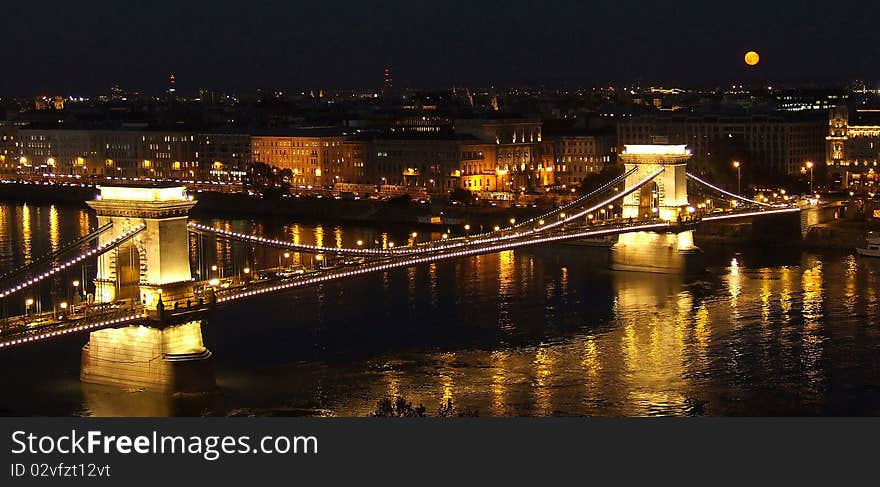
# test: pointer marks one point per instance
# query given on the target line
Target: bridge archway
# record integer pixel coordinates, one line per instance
(649, 199)
(128, 271)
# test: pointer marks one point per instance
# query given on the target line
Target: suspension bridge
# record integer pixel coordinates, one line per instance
(145, 318)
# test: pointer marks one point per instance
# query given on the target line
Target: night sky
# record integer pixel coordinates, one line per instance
(84, 47)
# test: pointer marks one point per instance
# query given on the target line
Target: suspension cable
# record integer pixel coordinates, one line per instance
(56, 253)
(628, 191)
(728, 193)
(101, 249)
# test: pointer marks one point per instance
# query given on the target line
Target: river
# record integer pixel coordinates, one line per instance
(535, 332)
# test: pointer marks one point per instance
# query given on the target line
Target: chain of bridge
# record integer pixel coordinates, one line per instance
(536, 231)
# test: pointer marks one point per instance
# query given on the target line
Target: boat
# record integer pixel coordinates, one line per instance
(873, 248)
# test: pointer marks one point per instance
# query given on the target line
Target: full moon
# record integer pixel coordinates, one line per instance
(752, 58)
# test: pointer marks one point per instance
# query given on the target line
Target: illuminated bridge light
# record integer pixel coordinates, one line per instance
(728, 193)
(623, 194)
(751, 213)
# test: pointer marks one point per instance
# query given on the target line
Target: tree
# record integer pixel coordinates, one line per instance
(595, 180)
(462, 195)
(399, 408)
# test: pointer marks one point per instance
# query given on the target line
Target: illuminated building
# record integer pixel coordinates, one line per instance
(354, 157)
(224, 156)
(314, 157)
(477, 167)
(517, 148)
(853, 144)
(415, 161)
(578, 153)
(804, 99)
(127, 153)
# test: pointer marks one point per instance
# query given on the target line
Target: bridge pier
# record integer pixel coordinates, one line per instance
(171, 359)
(161, 355)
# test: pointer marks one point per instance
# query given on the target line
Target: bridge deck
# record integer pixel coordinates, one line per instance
(27, 329)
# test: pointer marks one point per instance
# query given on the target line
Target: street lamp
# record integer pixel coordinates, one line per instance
(737, 165)
(76, 287)
(810, 167)
(27, 305)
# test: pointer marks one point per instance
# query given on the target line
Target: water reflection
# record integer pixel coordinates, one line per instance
(111, 402)
(26, 232)
(54, 231)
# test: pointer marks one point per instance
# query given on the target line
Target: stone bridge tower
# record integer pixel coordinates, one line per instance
(664, 198)
(166, 352)
(154, 261)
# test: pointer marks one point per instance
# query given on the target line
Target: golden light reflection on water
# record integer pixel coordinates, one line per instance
(435, 292)
(294, 234)
(812, 286)
(83, 222)
(446, 365)
(850, 291)
(411, 285)
(766, 295)
(506, 268)
(785, 277)
(734, 284)
(5, 238)
(392, 378)
(26, 233)
(590, 362)
(647, 345)
(54, 231)
(499, 385)
(545, 373)
(319, 236)
(702, 336)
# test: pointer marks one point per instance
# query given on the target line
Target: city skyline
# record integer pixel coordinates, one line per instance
(348, 45)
